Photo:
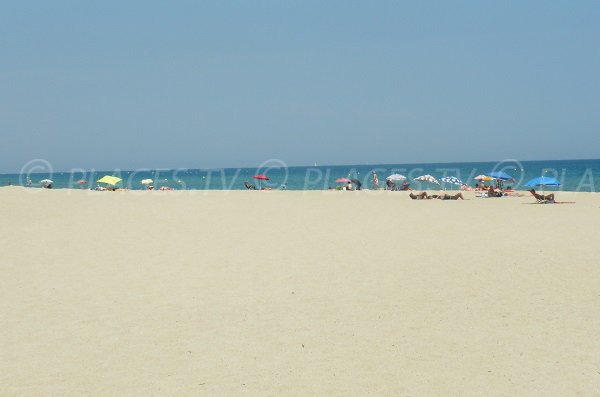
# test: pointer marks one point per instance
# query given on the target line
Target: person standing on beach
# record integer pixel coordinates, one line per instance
(375, 181)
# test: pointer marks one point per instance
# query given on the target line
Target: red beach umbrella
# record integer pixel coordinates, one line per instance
(261, 177)
(81, 182)
(342, 180)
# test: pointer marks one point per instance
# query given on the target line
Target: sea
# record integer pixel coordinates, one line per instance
(573, 175)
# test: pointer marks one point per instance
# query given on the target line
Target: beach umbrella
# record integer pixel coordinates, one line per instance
(147, 181)
(543, 181)
(261, 177)
(427, 178)
(452, 180)
(82, 182)
(47, 183)
(396, 177)
(109, 180)
(483, 178)
(342, 180)
(500, 175)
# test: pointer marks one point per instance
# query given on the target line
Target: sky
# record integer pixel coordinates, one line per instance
(208, 84)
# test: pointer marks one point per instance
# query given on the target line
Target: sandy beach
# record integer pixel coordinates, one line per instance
(297, 294)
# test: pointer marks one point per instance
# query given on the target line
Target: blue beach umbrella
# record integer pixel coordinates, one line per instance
(543, 181)
(500, 175)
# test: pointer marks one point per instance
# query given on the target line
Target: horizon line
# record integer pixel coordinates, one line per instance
(298, 166)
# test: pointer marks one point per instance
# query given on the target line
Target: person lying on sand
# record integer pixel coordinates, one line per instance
(419, 196)
(424, 196)
(451, 197)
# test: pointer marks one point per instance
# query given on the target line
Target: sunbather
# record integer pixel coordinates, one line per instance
(492, 192)
(451, 197)
(420, 196)
(405, 186)
(541, 198)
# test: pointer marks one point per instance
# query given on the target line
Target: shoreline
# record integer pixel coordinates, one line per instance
(35, 188)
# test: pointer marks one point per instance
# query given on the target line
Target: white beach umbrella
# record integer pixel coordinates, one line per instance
(427, 178)
(483, 178)
(46, 183)
(147, 181)
(396, 177)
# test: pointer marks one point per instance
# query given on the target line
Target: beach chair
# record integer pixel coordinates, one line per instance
(541, 198)
(249, 186)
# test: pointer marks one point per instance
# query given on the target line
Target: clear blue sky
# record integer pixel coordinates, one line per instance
(116, 84)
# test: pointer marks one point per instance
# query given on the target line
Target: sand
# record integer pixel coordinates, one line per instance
(297, 294)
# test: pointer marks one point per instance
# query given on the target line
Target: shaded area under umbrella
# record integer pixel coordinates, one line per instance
(543, 181)
(500, 177)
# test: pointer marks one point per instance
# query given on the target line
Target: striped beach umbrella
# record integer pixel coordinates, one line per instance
(427, 178)
(452, 180)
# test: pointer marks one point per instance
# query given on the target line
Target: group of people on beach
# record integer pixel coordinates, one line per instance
(444, 196)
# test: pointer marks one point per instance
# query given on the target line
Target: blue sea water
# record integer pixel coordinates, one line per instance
(574, 175)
